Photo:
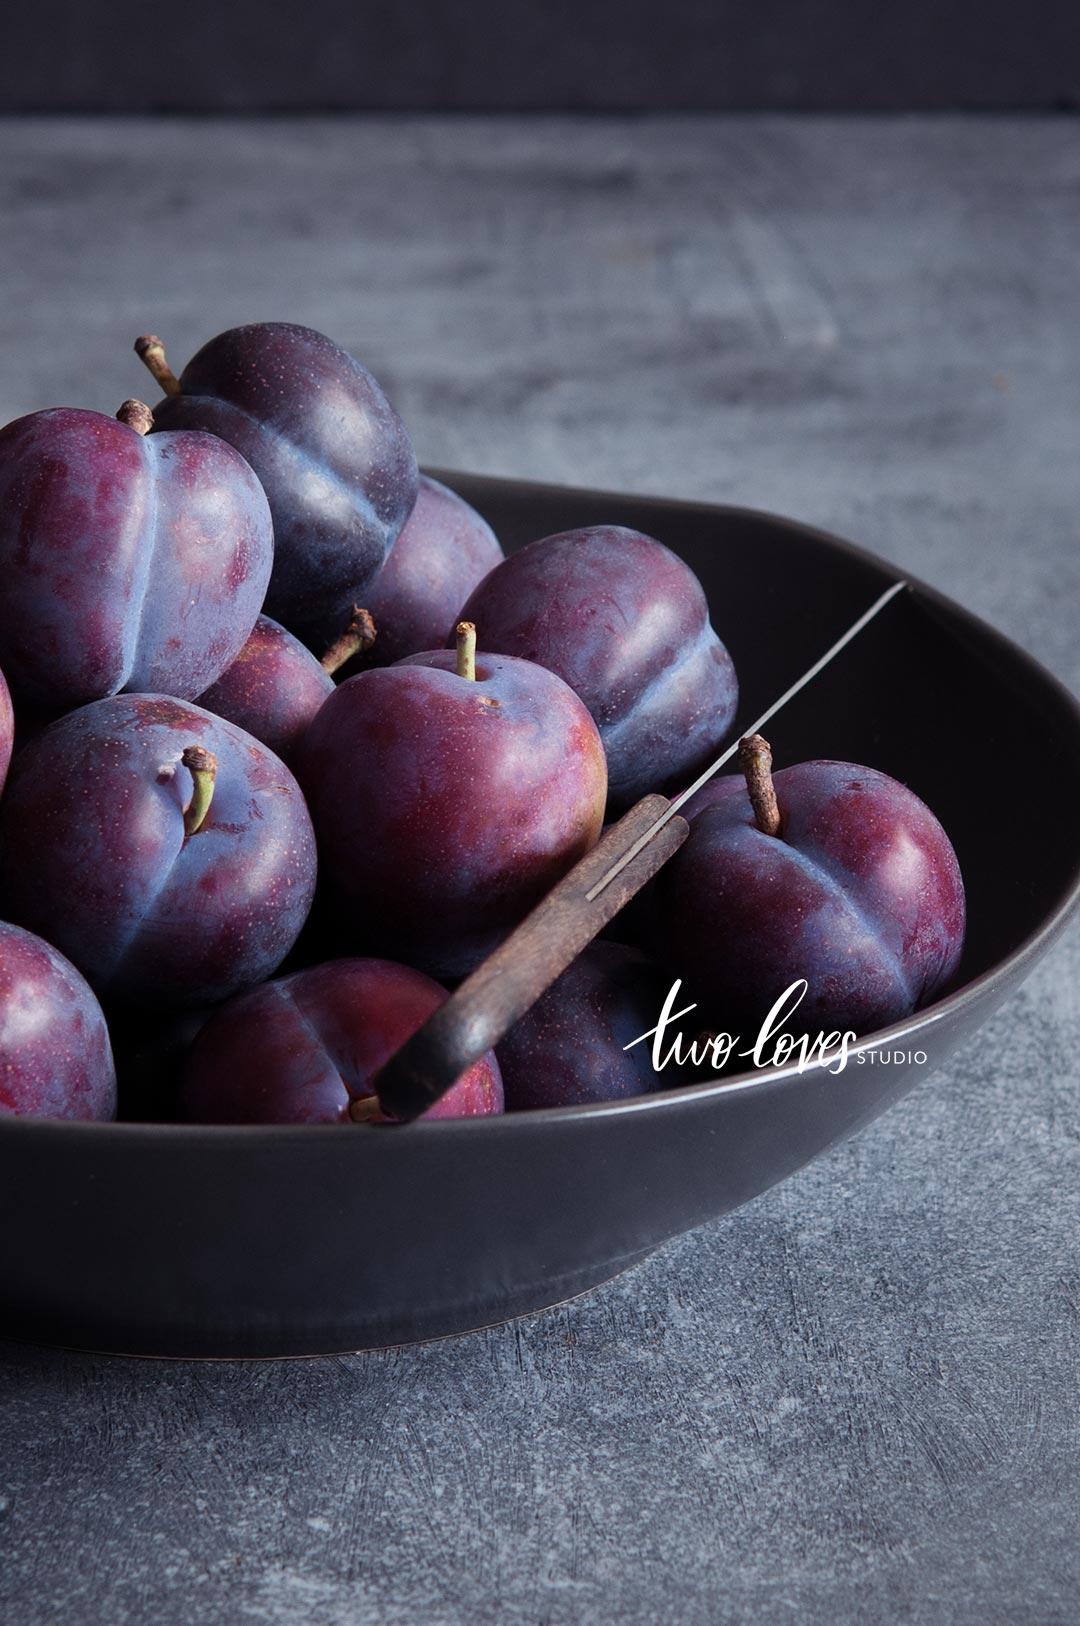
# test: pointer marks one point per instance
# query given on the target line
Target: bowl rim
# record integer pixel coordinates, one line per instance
(677, 1097)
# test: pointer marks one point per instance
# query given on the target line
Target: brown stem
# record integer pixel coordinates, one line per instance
(357, 639)
(755, 760)
(466, 651)
(137, 416)
(201, 764)
(151, 352)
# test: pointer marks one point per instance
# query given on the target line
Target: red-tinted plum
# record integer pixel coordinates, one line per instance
(829, 872)
(129, 561)
(7, 730)
(331, 452)
(446, 805)
(273, 688)
(625, 622)
(569, 1049)
(304, 1049)
(165, 851)
(444, 550)
(275, 685)
(55, 1057)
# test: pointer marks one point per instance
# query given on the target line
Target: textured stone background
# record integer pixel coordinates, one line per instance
(857, 1398)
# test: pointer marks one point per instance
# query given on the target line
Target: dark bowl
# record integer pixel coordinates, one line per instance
(187, 1241)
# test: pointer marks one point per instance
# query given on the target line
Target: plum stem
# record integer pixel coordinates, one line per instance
(151, 352)
(137, 416)
(365, 1109)
(357, 639)
(466, 651)
(201, 764)
(755, 760)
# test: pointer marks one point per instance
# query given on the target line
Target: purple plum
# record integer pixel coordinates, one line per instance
(7, 730)
(165, 851)
(569, 1049)
(446, 804)
(331, 452)
(305, 1048)
(55, 1057)
(129, 561)
(625, 622)
(830, 873)
(273, 688)
(712, 791)
(445, 549)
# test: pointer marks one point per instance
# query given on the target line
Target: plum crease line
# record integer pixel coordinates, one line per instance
(714, 767)
(304, 457)
(145, 559)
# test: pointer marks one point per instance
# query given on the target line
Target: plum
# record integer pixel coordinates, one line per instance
(449, 793)
(7, 730)
(129, 561)
(569, 1049)
(712, 792)
(830, 873)
(55, 1056)
(625, 622)
(304, 1049)
(275, 685)
(445, 549)
(272, 689)
(165, 851)
(331, 452)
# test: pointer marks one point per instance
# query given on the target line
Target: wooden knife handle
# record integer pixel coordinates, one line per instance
(498, 992)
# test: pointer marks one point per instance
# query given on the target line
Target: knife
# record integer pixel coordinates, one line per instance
(493, 997)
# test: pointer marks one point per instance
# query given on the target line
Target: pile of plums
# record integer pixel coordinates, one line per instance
(297, 747)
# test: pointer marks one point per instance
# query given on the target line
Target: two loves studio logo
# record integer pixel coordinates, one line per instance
(773, 1045)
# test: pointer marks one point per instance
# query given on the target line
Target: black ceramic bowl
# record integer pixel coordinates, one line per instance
(284, 1241)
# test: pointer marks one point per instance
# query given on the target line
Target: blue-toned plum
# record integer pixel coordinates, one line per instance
(625, 622)
(129, 561)
(162, 849)
(449, 793)
(332, 454)
(55, 1056)
(570, 1049)
(445, 549)
(830, 873)
(305, 1049)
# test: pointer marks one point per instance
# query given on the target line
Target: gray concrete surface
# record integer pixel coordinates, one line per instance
(855, 1400)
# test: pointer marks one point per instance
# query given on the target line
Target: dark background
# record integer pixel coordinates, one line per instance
(530, 55)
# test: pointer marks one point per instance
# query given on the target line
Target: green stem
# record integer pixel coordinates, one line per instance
(466, 651)
(201, 764)
(365, 1109)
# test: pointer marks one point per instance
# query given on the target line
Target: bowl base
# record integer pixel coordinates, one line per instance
(293, 1343)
